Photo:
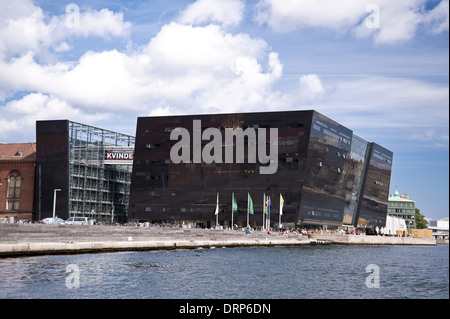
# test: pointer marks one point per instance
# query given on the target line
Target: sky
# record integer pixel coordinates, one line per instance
(378, 67)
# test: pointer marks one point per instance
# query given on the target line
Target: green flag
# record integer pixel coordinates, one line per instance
(235, 205)
(250, 205)
(266, 204)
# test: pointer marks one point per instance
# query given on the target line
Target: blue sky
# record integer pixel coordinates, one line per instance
(378, 67)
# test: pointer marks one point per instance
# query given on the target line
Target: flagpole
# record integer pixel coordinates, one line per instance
(232, 210)
(248, 202)
(268, 215)
(281, 209)
(217, 211)
(279, 220)
(263, 211)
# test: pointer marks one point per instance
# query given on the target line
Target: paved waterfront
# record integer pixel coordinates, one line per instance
(32, 239)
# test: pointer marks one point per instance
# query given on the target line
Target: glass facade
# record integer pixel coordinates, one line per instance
(95, 187)
(375, 190)
(325, 192)
(356, 172)
(322, 170)
(70, 157)
(162, 190)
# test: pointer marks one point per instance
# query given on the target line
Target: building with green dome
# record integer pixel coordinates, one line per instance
(401, 206)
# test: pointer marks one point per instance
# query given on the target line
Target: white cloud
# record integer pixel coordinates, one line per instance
(103, 23)
(290, 15)
(183, 69)
(437, 18)
(198, 67)
(310, 88)
(398, 20)
(25, 28)
(427, 135)
(62, 47)
(221, 12)
(215, 69)
(378, 106)
(19, 116)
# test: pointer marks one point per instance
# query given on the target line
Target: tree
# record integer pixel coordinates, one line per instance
(421, 222)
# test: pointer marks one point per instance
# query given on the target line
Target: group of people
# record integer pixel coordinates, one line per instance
(285, 231)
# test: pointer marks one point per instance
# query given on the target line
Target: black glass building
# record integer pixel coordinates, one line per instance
(326, 174)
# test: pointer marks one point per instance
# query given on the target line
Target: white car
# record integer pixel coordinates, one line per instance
(78, 221)
(51, 220)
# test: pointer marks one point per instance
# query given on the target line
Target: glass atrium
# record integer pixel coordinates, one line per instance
(97, 190)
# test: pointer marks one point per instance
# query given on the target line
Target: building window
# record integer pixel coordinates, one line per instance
(13, 196)
(378, 183)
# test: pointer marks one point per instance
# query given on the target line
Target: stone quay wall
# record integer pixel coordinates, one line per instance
(36, 239)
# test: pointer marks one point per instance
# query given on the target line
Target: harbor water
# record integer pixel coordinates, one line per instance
(306, 272)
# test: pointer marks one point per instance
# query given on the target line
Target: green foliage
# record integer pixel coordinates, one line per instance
(421, 222)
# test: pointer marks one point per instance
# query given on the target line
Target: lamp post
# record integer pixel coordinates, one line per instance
(112, 214)
(54, 200)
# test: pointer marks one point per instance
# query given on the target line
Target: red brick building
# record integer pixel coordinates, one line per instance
(17, 180)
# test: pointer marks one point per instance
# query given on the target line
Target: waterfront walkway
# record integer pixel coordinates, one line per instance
(35, 239)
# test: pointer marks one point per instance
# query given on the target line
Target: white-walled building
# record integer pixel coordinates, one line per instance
(393, 224)
(402, 207)
(439, 227)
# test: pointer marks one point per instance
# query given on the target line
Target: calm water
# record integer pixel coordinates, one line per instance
(228, 273)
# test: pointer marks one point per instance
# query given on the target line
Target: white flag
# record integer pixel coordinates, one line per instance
(281, 204)
(217, 205)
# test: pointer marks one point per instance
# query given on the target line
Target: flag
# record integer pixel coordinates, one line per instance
(235, 205)
(250, 205)
(281, 204)
(217, 205)
(266, 204)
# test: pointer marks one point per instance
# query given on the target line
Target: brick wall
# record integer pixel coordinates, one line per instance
(26, 170)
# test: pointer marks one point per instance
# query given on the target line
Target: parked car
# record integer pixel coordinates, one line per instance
(51, 220)
(78, 221)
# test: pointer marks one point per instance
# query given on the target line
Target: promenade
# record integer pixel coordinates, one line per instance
(36, 239)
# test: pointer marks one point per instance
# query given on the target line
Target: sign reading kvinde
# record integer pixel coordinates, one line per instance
(118, 155)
